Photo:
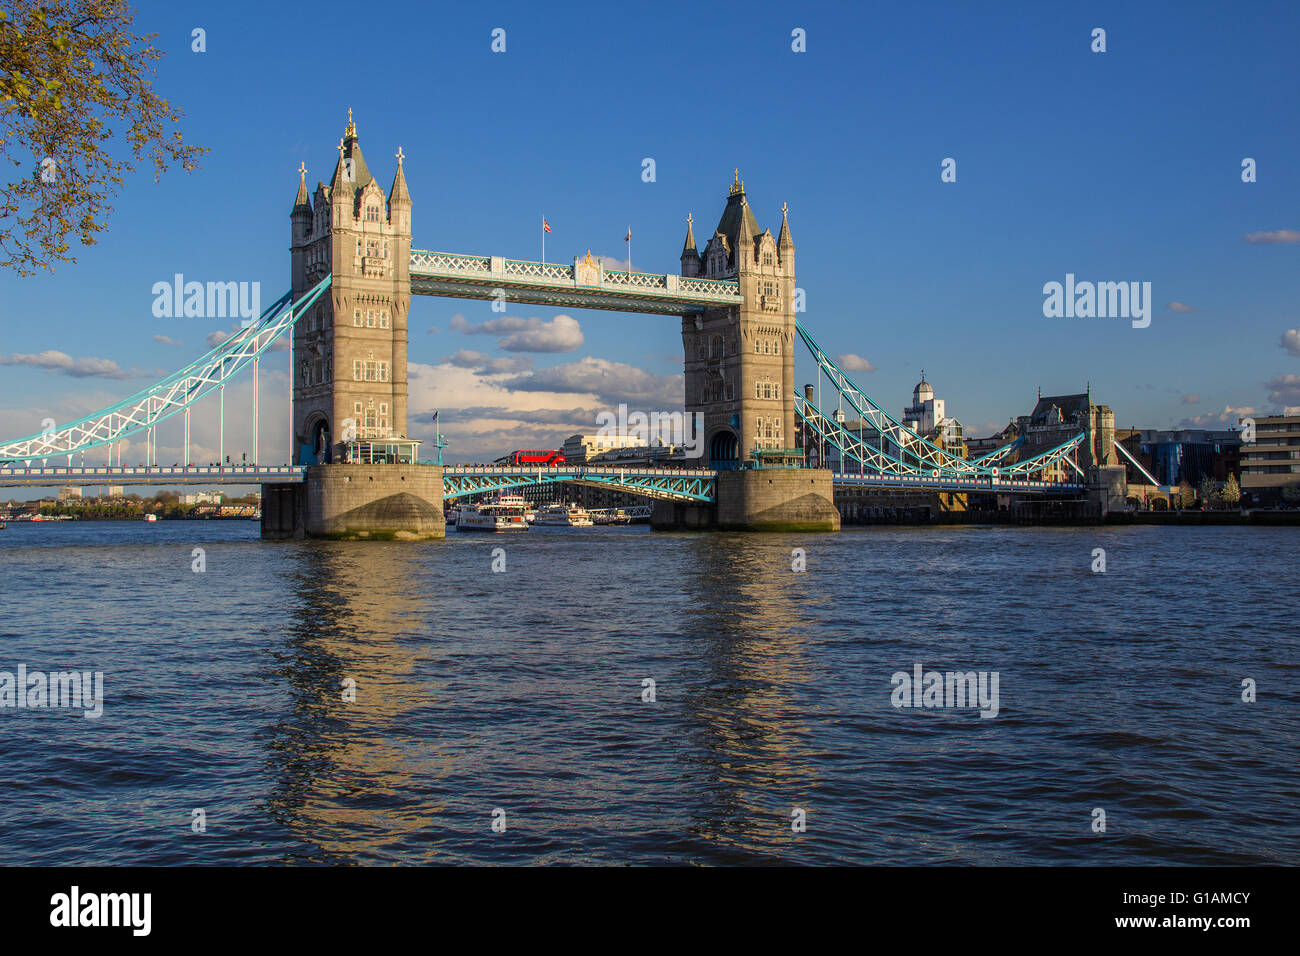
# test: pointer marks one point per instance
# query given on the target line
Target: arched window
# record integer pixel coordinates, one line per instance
(758, 390)
(755, 346)
(715, 347)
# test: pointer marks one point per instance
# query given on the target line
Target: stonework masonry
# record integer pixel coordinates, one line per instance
(763, 499)
(377, 502)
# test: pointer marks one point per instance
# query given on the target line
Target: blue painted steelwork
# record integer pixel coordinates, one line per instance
(998, 453)
(897, 451)
(153, 475)
(585, 284)
(668, 484)
(1119, 447)
(173, 394)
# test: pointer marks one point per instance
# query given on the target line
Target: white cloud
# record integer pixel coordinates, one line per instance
(1284, 390)
(610, 382)
(1291, 341)
(1276, 236)
(61, 363)
(485, 414)
(516, 334)
(1222, 419)
(1182, 307)
(1191, 399)
(851, 362)
(166, 340)
(487, 365)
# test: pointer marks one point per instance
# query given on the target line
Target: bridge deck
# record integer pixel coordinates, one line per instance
(153, 475)
(996, 485)
(681, 484)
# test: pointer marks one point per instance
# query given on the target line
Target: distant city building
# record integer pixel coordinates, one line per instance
(640, 456)
(69, 493)
(201, 498)
(1188, 455)
(1058, 418)
(579, 449)
(110, 491)
(926, 417)
(1272, 461)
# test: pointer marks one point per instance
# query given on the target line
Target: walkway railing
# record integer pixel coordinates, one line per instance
(583, 283)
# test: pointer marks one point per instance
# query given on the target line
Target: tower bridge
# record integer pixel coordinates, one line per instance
(356, 470)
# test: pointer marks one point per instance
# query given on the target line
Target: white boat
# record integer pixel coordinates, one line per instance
(151, 517)
(564, 516)
(452, 514)
(502, 513)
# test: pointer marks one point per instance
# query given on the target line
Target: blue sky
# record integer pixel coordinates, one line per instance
(1115, 166)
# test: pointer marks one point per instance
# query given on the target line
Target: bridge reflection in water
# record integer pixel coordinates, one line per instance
(533, 704)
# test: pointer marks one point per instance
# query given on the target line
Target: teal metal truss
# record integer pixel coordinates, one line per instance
(585, 284)
(666, 484)
(173, 394)
(888, 447)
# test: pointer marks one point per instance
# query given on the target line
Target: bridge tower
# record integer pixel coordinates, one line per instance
(739, 363)
(740, 360)
(349, 375)
(350, 352)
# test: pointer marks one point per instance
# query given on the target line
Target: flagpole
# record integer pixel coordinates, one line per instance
(543, 240)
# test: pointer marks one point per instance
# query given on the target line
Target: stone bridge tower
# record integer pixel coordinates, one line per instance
(349, 376)
(740, 360)
(349, 365)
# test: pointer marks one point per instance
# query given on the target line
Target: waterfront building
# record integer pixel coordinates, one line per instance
(580, 449)
(201, 498)
(1174, 456)
(927, 418)
(1058, 418)
(1271, 463)
(70, 493)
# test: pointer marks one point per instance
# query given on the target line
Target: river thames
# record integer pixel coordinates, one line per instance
(517, 697)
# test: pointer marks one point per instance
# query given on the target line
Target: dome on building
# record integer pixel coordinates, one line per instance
(923, 392)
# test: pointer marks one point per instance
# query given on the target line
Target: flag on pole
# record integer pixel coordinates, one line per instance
(628, 237)
(546, 226)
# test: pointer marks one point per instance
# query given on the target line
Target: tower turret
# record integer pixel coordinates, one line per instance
(691, 265)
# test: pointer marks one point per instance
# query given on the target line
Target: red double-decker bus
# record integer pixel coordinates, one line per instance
(530, 457)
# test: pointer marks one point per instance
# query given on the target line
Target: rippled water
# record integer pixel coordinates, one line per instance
(522, 691)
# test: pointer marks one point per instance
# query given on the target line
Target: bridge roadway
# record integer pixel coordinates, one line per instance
(670, 484)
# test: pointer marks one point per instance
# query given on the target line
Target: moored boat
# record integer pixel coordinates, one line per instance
(502, 513)
(563, 516)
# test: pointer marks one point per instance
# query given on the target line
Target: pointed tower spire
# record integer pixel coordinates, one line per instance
(301, 202)
(399, 192)
(783, 240)
(692, 265)
(689, 246)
